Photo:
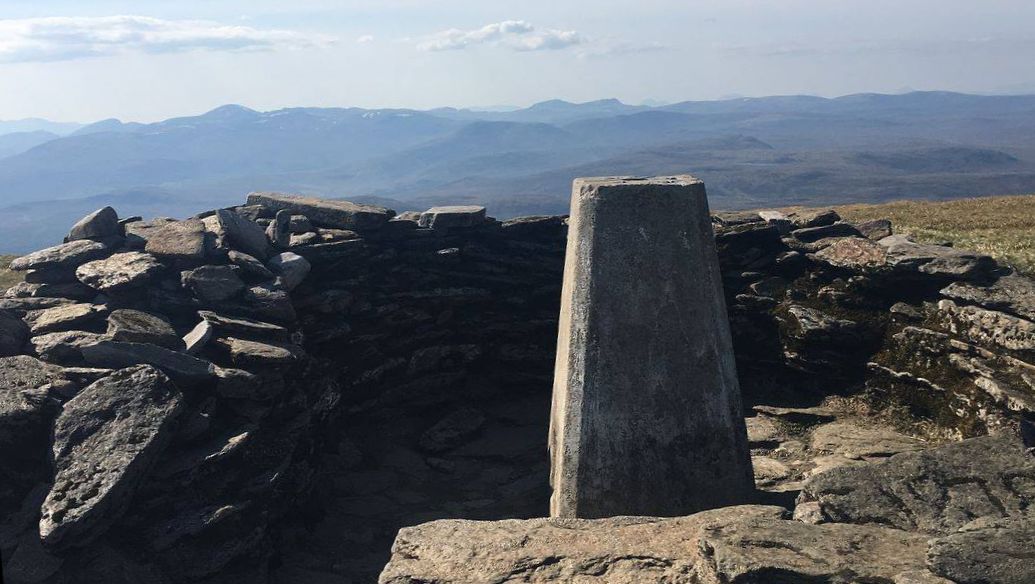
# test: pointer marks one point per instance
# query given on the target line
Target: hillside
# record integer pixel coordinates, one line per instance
(757, 152)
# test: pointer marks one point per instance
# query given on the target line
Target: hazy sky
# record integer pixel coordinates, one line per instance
(144, 60)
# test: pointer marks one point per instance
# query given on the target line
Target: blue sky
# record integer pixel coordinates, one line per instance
(151, 59)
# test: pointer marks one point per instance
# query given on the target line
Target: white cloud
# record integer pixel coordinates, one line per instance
(517, 35)
(65, 38)
(367, 38)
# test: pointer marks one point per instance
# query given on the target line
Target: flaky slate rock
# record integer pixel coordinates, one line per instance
(213, 284)
(325, 213)
(745, 544)
(68, 290)
(135, 326)
(987, 552)
(101, 224)
(936, 260)
(120, 272)
(291, 268)
(815, 326)
(230, 326)
(814, 218)
(105, 441)
(935, 491)
(65, 256)
(876, 229)
(180, 241)
(1013, 294)
(181, 367)
(988, 327)
(243, 234)
(13, 334)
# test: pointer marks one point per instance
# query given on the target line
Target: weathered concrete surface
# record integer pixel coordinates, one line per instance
(646, 410)
(745, 544)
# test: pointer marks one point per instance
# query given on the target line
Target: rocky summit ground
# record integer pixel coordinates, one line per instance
(277, 391)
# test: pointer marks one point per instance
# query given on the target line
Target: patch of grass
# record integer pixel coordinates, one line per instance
(7, 277)
(1002, 227)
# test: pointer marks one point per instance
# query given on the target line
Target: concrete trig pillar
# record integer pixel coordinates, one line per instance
(646, 407)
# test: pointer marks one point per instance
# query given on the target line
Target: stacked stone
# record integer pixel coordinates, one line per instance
(164, 358)
(249, 380)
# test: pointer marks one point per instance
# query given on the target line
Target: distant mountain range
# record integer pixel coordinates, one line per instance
(750, 152)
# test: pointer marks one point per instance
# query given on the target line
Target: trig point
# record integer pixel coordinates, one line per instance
(646, 407)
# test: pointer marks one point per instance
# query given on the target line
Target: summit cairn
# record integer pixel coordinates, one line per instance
(646, 407)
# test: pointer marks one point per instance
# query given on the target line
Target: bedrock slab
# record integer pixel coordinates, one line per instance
(646, 406)
(744, 544)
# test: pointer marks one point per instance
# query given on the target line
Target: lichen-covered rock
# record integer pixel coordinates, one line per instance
(250, 267)
(933, 491)
(733, 544)
(876, 229)
(135, 326)
(25, 406)
(246, 353)
(64, 318)
(989, 327)
(122, 271)
(180, 241)
(814, 218)
(105, 441)
(854, 253)
(70, 256)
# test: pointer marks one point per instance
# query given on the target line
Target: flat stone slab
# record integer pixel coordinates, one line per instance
(452, 216)
(64, 347)
(180, 241)
(183, 368)
(66, 256)
(243, 327)
(987, 551)
(119, 272)
(325, 212)
(733, 544)
(63, 318)
(255, 354)
(855, 253)
(933, 491)
(135, 326)
(104, 443)
(861, 442)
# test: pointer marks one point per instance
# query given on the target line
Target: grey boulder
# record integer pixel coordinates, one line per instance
(243, 234)
(181, 367)
(179, 241)
(213, 284)
(105, 441)
(987, 552)
(101, 224)
(291, 268)
(936, 260)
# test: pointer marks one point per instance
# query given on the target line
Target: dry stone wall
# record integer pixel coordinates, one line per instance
(269, 392)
